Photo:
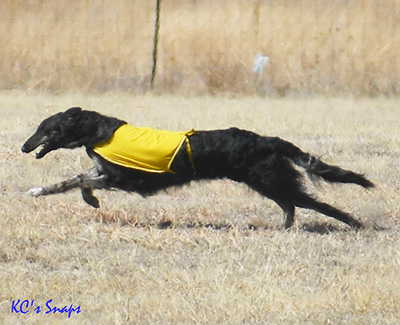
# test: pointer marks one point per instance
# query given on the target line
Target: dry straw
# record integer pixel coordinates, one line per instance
(222, 256)
(205, 46)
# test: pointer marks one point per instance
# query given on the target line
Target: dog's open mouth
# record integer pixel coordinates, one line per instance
(46, 146)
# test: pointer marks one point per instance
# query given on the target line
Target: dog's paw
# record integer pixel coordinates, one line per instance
(36, 191)
(89, 198)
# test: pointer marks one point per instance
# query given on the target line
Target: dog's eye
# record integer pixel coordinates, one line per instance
(70, 120)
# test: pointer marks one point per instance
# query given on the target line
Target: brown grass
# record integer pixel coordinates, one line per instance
(212, 252)
(205, 46)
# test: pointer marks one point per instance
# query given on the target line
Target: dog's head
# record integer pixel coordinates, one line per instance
(61, 130)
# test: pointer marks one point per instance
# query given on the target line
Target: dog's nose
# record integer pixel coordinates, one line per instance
(29, 145)
(25, 148)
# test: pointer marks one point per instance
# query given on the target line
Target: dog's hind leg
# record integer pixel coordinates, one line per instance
(86, 182)
(308, 202)
(289, 212)
(286, 205)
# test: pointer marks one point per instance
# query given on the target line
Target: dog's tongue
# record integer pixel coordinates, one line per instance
(42, 152)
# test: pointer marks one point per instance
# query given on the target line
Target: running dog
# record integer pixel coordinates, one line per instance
(265, 164)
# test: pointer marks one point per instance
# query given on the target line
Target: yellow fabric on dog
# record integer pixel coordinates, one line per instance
(143, 148)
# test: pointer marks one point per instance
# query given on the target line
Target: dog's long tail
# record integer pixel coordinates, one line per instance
(315, 168)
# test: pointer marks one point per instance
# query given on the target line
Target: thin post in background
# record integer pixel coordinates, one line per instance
(155, 43)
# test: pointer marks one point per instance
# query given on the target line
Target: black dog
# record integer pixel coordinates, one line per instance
(263, 163)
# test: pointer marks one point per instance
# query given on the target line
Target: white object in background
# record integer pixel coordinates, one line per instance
(260, 61)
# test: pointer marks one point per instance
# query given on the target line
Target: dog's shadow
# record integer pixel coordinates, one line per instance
(314, 227)
(322, 228)
(325, 229)
(319, 228)
(168, 224)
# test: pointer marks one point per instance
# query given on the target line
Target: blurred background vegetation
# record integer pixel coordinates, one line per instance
(205, 46)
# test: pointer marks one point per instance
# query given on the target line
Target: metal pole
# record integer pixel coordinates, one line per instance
(155, 42)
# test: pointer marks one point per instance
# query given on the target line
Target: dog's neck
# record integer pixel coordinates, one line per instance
(102, 128)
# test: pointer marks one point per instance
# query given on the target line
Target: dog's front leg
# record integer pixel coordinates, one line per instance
(89, 198)
(86, 182)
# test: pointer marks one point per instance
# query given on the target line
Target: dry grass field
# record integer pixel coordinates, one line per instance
(205, 46)
(210, 252)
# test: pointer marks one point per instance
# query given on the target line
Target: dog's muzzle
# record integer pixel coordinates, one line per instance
(34, 142)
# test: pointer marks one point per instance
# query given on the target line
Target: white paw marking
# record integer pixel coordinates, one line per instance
(36, 191)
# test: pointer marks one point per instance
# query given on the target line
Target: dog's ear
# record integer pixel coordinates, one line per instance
(70, 116)
(72, 112)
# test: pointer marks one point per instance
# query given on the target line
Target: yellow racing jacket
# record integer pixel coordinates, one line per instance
(144, 148)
